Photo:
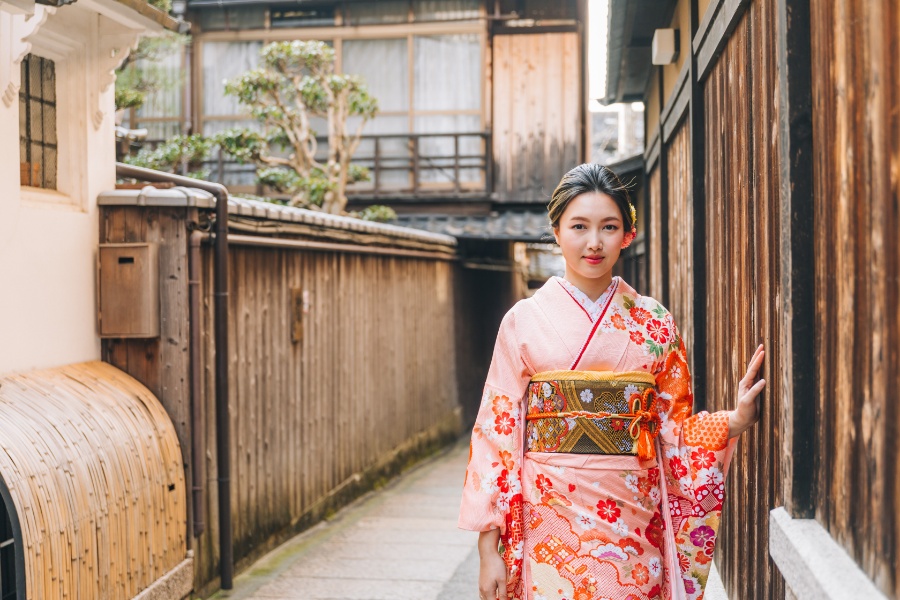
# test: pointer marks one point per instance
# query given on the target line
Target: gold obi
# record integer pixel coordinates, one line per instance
(592, 412)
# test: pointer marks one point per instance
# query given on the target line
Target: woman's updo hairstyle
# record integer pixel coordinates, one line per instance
(588, 178)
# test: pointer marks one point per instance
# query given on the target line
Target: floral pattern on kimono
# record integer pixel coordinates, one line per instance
(596, 526)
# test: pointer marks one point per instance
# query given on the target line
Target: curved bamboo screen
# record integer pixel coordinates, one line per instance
(95, 472)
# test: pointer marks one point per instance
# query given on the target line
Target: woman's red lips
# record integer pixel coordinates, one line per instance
(594, 260)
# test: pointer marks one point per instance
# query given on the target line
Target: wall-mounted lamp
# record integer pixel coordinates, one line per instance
(665, 46)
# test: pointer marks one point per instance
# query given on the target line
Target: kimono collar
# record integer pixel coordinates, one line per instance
(593, 309)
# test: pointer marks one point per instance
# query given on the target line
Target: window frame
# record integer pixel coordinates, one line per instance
(30, 101)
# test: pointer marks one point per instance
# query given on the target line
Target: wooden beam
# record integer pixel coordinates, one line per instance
(663, 200)
(651, 154)
(708, 48)
(677, 105)
(697, 125)
(797, 249)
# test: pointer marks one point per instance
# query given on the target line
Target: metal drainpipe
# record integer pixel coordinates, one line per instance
(220, 268)
(198, 444)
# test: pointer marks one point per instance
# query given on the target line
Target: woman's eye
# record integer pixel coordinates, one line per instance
(611, 227)
(577, 226)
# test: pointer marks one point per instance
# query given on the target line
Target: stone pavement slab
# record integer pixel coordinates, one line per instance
(397, 543)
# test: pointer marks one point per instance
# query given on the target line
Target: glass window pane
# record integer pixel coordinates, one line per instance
(394, 156)
(233, 18)
(34, 75)
(166, 73)
(384, 64)
(447, 72)
(303, 16)
(49, 123)
(49, 80)
(223, 61)
(445, 10)
(36, 126)
(49, 169)
(37, 165)
(439, 152)
(371, 13)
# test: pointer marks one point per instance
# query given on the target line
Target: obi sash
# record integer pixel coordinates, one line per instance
(592, 412)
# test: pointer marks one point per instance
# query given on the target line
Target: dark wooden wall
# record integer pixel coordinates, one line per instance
(655, 227)
(680, 222)
(536, 111)
(856, 130)
(742, 228)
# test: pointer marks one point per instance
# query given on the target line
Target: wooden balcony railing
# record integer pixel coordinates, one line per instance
(401, 166)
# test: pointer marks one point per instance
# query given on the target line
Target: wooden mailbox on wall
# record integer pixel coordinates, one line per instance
(128, 284)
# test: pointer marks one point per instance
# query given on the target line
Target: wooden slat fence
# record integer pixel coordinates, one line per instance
(743, 309)
(322, 407)
(856, 131)
(374, 370)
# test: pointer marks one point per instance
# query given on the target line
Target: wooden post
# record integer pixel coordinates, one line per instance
(377, 180)
(456, 162)
(696, 123)
(663, 194)
(797, 247)
(414, 144)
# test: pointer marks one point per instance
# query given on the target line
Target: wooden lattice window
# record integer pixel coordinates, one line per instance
(37, 123)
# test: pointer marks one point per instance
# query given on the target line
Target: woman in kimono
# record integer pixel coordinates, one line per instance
(589, 477)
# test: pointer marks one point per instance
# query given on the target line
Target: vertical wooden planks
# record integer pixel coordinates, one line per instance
(656, 252)
(743, 270)
(369, 374)
(537, 135)
(856, 122)
(680, 222)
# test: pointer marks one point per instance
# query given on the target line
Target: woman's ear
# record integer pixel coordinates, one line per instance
(555, 230)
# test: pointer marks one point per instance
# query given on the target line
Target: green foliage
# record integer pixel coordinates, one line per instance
(378, 213)
(296, 82)
(141, 74)
(128, 97)
(163, 5)
(243, 144)
(169, 156)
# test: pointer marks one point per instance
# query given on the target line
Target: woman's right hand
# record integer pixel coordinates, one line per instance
(492, 573)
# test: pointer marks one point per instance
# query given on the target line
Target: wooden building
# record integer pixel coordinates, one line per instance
(482, 102)
(482, 110)
(772, 182)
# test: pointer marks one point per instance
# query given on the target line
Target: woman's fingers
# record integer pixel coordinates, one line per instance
(753, 368)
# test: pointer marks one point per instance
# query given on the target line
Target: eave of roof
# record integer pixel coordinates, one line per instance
(631, 24)
(154, 14)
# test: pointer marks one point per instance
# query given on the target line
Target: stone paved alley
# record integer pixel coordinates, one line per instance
(398, 543)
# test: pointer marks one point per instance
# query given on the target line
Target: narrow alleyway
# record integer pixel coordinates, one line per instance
(398, 543)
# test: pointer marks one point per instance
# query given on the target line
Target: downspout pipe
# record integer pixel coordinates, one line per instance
(220, 268)
(198, 443)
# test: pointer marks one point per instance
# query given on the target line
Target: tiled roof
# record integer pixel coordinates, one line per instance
(513, 225)
(255, 209)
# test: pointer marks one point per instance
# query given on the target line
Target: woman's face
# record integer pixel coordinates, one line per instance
(590, 233)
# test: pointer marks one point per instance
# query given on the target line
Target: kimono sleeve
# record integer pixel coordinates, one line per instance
(695, 456)
(493, 481)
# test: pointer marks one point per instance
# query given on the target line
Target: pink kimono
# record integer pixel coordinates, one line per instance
(606, 525)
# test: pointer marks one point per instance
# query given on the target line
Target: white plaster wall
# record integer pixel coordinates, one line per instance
(48, 241)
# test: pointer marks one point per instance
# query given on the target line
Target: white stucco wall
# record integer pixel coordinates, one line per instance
(48, 240)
